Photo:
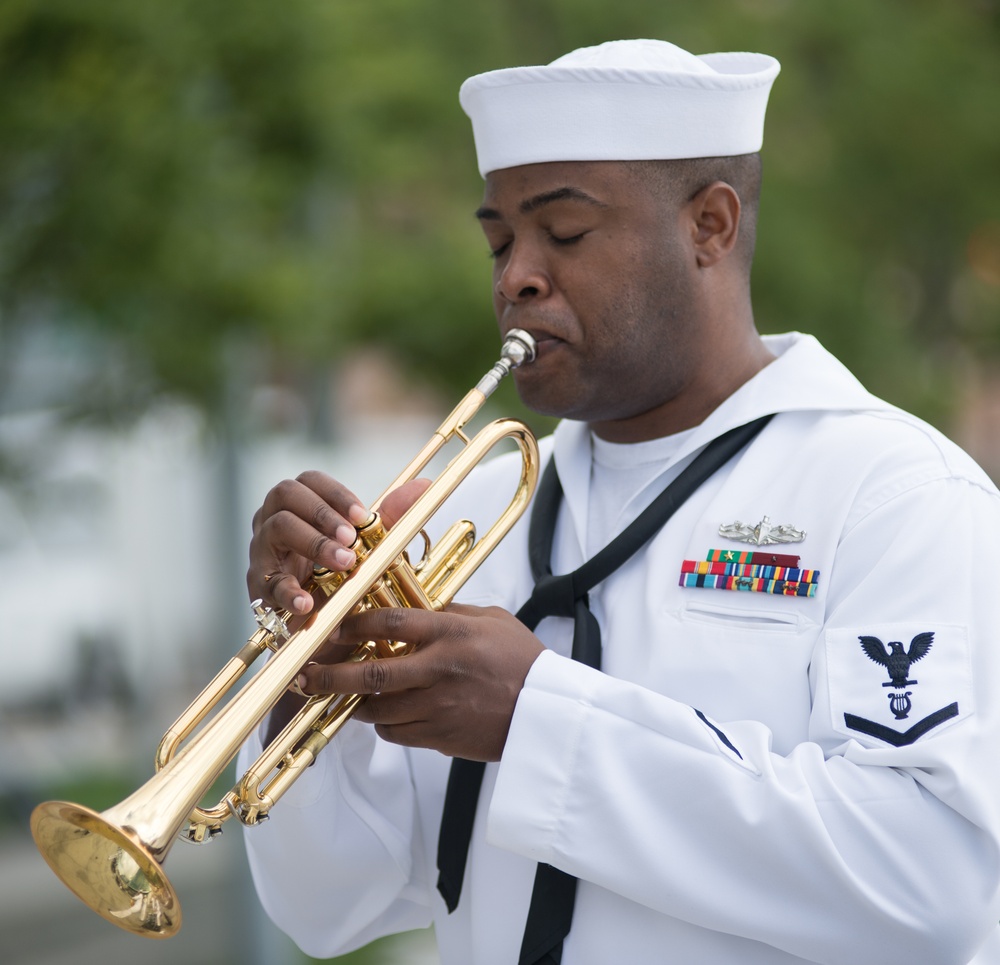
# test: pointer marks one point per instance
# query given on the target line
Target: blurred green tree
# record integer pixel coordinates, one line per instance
(177, 175)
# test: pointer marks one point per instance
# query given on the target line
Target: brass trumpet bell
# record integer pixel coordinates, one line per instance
(106, 868)
(113, 861)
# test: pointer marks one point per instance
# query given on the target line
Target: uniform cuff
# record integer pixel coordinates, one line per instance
(539, 758)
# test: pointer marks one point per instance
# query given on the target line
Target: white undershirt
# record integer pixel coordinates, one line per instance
(621, 482)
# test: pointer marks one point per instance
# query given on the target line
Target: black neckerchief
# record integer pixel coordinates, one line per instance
(552, 898)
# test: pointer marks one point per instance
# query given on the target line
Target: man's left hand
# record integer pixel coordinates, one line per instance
(454, 692)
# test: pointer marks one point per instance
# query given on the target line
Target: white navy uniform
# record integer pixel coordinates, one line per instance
(737, 783)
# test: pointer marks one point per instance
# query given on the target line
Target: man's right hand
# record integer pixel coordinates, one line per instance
(306, 521)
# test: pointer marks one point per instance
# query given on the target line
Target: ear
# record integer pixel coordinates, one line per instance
(715, 221)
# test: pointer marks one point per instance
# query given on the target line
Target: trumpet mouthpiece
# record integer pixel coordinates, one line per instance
(518, 349)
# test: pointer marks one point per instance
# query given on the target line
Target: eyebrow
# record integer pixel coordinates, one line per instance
(540, 200)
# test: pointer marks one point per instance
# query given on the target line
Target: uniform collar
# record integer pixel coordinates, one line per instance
(803, 377)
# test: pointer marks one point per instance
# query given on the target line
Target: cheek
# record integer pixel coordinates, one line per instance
(498, 301)
(595, 291)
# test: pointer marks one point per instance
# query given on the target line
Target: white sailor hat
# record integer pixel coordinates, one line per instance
(625, 100)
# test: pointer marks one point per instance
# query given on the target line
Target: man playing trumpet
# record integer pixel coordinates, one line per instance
(694, 758)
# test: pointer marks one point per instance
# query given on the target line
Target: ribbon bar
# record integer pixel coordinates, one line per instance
(754, 571)
(748, 584)
(757, 558)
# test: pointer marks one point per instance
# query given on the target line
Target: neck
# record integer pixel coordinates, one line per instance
(712, 384)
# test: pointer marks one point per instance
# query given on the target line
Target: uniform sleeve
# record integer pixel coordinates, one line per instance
(875, 840)
(337, 864)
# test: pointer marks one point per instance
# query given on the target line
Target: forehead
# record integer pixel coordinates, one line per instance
(595, 183)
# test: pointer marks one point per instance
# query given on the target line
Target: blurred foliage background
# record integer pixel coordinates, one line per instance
(177, 175)
(194, 194)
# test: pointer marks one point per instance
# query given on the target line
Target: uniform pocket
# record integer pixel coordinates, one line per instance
(741, 663)
(751, 619)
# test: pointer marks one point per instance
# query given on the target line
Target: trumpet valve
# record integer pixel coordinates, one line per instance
(329, 581)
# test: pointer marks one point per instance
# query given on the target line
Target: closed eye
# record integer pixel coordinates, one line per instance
(560, 241)
(569, 240)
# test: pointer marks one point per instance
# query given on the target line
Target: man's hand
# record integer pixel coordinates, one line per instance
(310, 521)
(454, 692)
(307, 521)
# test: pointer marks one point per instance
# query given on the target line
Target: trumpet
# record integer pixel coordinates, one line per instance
(113, 860)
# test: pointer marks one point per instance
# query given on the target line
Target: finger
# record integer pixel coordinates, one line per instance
(294, 529)
(400, 500)
(409, 625)
(464, 609)
(405, 735)
(373, 676)
(331, 494)
(302, 524)
(333, 650)
(281, 589)
(296, 518)
(392, 709)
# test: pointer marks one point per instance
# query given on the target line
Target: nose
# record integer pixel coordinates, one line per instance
(523, 276)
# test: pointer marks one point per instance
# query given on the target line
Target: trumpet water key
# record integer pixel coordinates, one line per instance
(113, 860)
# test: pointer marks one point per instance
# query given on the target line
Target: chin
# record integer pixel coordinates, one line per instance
(554, 409)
